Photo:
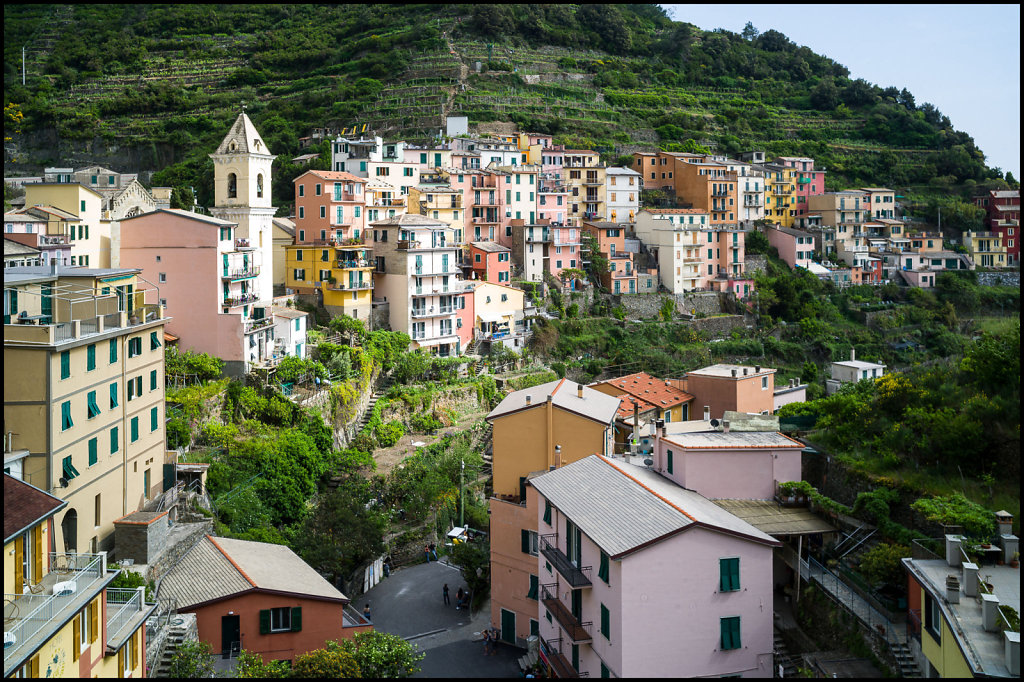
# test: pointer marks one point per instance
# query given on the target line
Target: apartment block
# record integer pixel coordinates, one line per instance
(84, 394)
(373, 158)
(809, 181)
(585, 181)
(986, 249)
(75, 211)
(623, 194)
(795, 247)
(724, 387)
(621, 275)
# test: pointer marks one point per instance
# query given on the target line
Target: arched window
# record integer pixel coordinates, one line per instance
(259, 185)
(232, 186)
(69, 529)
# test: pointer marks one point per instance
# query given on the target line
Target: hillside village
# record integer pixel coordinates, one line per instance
(610, 507)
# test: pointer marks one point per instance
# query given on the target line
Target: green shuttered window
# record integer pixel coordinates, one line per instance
(547, 513)
(135, 429)
(113, 351)
(90, 357)
(65, 364)
(114, 441)
(602, 571)
(729, 570)
(730, 633)
(92, 407)
(534, 586)
(93, 451)
(65, 416)
(606, 627)
(113, 395)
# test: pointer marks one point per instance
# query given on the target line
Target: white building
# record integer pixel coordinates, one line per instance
(676, 236)
(622, 189)
(376, 159)
(852, 370)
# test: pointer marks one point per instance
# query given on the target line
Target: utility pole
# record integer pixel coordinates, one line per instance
(22, 64)
(462, 495)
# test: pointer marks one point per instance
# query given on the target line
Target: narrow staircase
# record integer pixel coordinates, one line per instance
(383, 384)
(908, 665)
(175, 638)
(782, 657)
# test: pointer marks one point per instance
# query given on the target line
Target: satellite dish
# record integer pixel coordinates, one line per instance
(714, 422)
(63, 482)
(649, 462)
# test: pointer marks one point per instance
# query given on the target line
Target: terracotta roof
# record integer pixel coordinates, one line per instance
(26, 505)
(676, 211)
(335, 175)
(650, 389)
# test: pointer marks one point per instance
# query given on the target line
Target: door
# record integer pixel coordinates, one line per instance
(577, 604)
(508, 626)
(230, 635)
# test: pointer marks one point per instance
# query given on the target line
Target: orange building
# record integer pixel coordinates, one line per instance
(259, 597)
(535, 429)
(722, 387)
(328, 207)
(611, 241)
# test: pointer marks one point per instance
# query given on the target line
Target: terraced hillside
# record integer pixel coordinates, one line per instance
(147, 86)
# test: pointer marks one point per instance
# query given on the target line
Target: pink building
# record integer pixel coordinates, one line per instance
(490, 261)
(465, 319)
(723, 387)
(795, 247)
(31, 231)
(729, 464)
(810, 182)
(638, 577)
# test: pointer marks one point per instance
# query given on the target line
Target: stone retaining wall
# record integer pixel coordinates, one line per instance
(754, 263)
(1006, 279)
(718, 326)
(183, 537)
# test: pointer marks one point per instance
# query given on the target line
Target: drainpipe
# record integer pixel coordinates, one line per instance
(549, 408)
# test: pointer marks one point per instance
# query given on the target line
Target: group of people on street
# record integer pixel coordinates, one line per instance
(431, 551)
(461, 598)
(491, 636)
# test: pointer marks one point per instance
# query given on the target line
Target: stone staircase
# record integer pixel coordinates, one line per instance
(905, 659)
(528, 660)
(175, 638)
(382, 387)
(782, 657)
(470, 347)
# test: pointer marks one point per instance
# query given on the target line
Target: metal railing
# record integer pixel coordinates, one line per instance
(256, 325)
(240, 273)
(111, 321)
(73, 571)
(122, 605)
(574, 575)
(576, 630)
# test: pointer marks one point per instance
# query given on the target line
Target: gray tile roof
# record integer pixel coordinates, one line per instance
(594, 493)
(220, 567)
(594, 404)
(410, 220)
(733, 439)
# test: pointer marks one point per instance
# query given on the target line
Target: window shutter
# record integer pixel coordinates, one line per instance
(120, 662)
(153, 419)
(296, 619)
(76, 642)
(602, 571)
(113, 351)
(534, 586)
(669, 452)
(37, 552)
(525, 535)
(94, 629)
(734, 573)
(135, 649)
(723, 575)
(547, 513)
(605, 622)
(113, 395)
(93, 451)
(264, 621)
(152, 380)
(90, 357)
(33, 666)
(19, 559)
(65, 364)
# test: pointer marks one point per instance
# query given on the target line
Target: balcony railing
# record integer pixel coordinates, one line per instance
(351, 286)
(576, 630)
(123, 606)
(68, 584)
(241, 299)
(562, 667)
(354, 263)
(433, 311)
(252, 326)
(241, 273)
(242, 245)
(576, 577)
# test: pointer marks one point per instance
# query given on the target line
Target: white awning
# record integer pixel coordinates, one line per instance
(493, 317)
(817, 269)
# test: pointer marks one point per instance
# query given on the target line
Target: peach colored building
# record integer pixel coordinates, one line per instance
(328, 207)
(534, 429)
(724, 387)
(259, 597)
(611, 240)
(796, 248)
(639, 577)
(490, 261)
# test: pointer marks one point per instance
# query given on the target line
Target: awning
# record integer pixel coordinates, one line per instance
(493, 317)
(170, 338)
(774, 519)
(817, 269)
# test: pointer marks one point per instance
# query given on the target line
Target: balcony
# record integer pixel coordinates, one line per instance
(386, 203)
(241, 299)
(576, 630)
(243, 245)
(32, 619)
(253, 326)
(561, 665)
(533, 238)
(432, 311)
(719, 193)
(576, 577)
(241, 273)
(354, 263)
(126, 611)
(351, 286)
(428, 270)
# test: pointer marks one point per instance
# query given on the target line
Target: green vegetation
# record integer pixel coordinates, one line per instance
(192, 660)
(333, 661)
(381, 655)
(881, 564)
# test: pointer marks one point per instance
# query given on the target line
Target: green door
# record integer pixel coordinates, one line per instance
(508, 626)
(46, 304)
(11, 309)
(577, 604)
(576, 657)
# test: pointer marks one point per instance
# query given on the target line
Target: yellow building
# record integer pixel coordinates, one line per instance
(284, 235)
(535, 429)
(60, 617)
(84, 394)
(780, 194)
(585, 182)
(986, 249)
(89, 235)
(342, 273)
(440, 202)
(498, 312)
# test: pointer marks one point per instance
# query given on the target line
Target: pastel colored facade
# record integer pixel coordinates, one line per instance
(290, 327)
(259, 597)
(61, 618)
(677, 238)
(84, 391)
(707, 185)
(545, 247)
(729, 464)
(328, 207)
(623, 193)
(520, 198)
(528, 425)
(645, 399)
(780, 194)
(750, 192)
(498, 313)
(722, 387)
(552, 197)
(846, 211)
(809, 182)
(986, 249)
(211, 281)
(342, 274)
(1002, 209)
(31, 231)
(373, 158)
(796, 248)
(611, 242)
(465, 322)
(483, 198)
(490, 262)
(610, 597)
(283, 237)
(584, 178)
(89, 235)
(417, 273)
(123, 194)
(881, 202)
(440, 202)
(852, 371)
(383, 200)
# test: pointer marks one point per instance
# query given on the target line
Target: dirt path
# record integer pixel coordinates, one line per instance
(389, 458)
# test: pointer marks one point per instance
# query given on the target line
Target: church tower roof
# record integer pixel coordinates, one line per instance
(243, 139)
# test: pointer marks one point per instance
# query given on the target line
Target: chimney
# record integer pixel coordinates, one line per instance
(952, 589)
(1004, 520)
(707, 413)
(990, 612)
(579, 391)
(734, 373)
(853, 354)
(659, 425)
(54, 264)
(558, 456)
(746, 370)
(970, 579)
(953, 557)
(725, 426)
(757, 368)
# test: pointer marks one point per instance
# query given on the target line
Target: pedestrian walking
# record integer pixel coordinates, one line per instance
(433, 550)
(487, 641)
(426, 550)
(447, 599)
(458, 599)
(366, 613)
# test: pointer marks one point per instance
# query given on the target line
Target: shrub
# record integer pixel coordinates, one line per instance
(326, 663)
(390, 433)
(957, 510)
(881, 564)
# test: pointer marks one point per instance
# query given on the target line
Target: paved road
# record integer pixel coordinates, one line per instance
(410, 604)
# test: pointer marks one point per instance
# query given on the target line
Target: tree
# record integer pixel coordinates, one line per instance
(749, 32)
(882, 564)
(474, 561)
(192, 660)
(183, 198)
(333, 661)
(668, 307)
(383, 655)
(251, 666)
(825, 95)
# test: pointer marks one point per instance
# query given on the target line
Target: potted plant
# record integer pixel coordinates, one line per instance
(1015, 561)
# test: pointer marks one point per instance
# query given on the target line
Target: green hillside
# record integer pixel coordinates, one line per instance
(159, 84)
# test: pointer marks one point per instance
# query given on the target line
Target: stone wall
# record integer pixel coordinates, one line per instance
(1006, 279)
(754, 263)
(718, 326)
(181, 539)
(141, 536)
(643, 306)
(709, 303)
(380, 315)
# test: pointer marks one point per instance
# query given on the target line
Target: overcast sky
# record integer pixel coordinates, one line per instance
(964, 59)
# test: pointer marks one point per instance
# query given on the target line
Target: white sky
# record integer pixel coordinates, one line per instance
(964, 59)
